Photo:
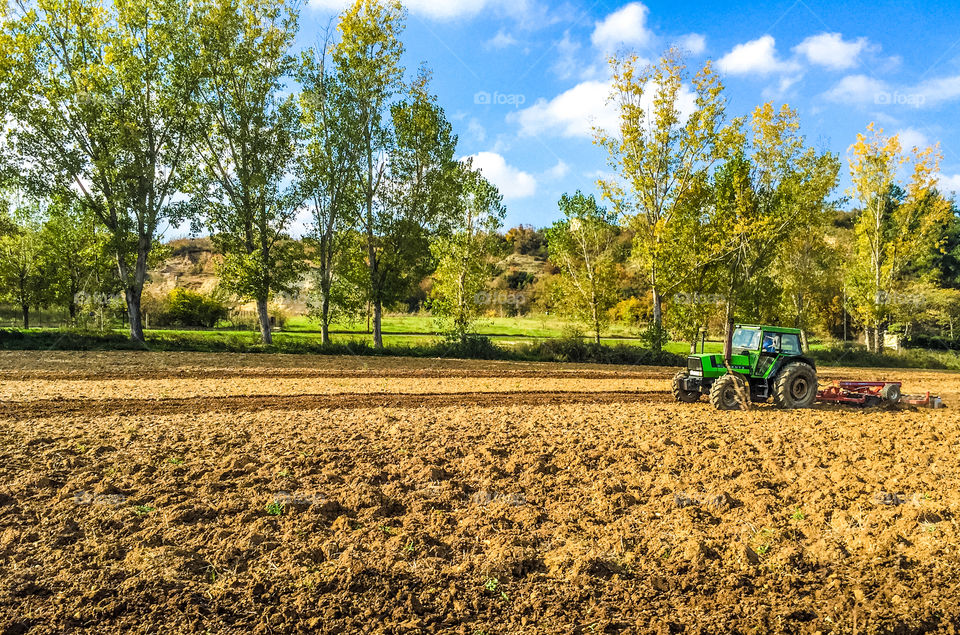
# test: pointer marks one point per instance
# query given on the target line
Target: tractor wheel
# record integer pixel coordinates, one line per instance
(681, 395)
(796, 386)
(725, 392)
(891, 394)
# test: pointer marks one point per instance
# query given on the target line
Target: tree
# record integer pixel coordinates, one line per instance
(659, 153)
(103, 98)
(329, 181)
(23, 279)
(894, 225)
(75, 253)
(770, 190)
(582, 247)
(464, 264)
(248, 143)
(367, 59)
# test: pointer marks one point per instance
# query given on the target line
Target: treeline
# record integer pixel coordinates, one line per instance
(140, 115)
(126, 118)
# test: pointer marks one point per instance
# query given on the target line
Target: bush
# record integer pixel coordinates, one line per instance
(190, 308)
(933, 342)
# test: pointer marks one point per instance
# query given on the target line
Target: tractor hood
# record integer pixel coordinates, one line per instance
(712, 365)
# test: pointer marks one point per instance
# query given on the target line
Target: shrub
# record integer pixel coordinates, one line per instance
(191, 308)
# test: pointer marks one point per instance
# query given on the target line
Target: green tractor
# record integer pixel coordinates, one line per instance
(767, 361)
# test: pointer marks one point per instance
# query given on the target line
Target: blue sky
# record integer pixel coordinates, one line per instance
(524, 80)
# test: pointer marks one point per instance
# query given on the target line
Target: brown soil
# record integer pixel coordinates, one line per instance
(408, 496)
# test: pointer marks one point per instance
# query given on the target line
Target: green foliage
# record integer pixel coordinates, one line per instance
(464, 256)
(98, 111)
(191, 308)
(250, 131)
(582, 246)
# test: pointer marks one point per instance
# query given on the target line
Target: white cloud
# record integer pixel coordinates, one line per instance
(576, 112)
(935, 91)
(693, 42)
(512, 182)
(568, 57)
(501, 40)
(476, 130)
(443, 9)
(950, 183)
(569, 114)
(857, 89)
(559, 171)
(912, 138)
(756, 57)
(832, 51)
(625, 27)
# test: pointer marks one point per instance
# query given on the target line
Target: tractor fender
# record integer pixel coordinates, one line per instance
(783, 361)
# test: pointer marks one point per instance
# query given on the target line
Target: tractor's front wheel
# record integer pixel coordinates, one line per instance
(681, 395)
(796, 386)
(725, 394)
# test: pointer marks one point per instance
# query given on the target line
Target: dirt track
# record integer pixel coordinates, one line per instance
(183, 493)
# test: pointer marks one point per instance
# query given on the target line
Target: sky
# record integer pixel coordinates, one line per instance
(524, 81)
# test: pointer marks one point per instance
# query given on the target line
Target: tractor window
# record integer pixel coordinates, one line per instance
(790, 344)
(771, 343)
(747, 339)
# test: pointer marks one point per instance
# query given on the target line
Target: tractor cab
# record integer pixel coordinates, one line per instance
(760, 357)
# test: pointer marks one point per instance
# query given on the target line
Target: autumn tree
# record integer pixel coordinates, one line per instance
(329, 181)
(582, 246)
(103, 97)
(465, 255)
(248, 144)
(895, 224)
(670, 132)
(367, 60)
(771, 189)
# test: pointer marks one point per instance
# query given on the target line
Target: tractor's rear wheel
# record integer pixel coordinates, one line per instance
(795, 386)
(725, 394)
(681, 395)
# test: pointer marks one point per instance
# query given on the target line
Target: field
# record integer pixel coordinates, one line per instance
(173, 492)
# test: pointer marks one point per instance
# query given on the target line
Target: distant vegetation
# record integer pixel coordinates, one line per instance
(708, 217)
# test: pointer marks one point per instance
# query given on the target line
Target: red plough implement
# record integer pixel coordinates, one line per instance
(874, 393)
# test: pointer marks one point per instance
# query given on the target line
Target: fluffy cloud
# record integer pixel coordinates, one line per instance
(570, 114)
(693, 42)
(756, 57)
(950, 183)
(625, 27)
(501, 40)
(576, 112)
(832, 51)
(935, 91)
(442, 9)
(912, 138)
(857, 89)
(559, 171)
(512, 182)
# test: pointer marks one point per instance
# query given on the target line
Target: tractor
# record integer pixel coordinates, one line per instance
(766, 361)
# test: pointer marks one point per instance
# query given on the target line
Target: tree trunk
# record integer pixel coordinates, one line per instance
(377, 323)
(134, 295)
(728, 332)
(325, 316)
(656, 344)
(263, 315)
(26, 315)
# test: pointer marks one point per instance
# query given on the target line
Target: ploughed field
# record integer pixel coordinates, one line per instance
(271, 494)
